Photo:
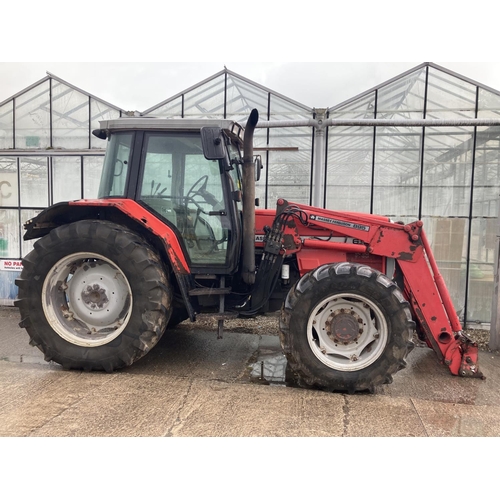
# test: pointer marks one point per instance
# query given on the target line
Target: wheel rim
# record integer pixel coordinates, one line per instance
(347, 332)
(87, 299)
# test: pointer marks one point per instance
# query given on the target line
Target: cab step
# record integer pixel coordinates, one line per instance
(209, 291)
(218, 315)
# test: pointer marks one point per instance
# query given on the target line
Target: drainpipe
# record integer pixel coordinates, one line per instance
(495, 303)
(318, 188)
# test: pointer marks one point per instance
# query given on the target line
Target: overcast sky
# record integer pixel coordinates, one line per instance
(139, 86)
(238, 31)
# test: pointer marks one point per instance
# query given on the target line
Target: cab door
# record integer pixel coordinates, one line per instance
(190, 193)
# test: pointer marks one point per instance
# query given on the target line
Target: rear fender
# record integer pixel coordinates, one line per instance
(125, 212)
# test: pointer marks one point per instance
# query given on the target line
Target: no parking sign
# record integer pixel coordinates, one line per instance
(11, 265)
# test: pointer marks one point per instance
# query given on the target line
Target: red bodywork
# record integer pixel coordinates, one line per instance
(326, 236)
(373, 239)
(156, 226)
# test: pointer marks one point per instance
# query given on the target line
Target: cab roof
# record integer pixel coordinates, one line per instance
(168, 124)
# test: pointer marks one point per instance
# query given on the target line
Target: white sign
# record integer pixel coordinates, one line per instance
(11, 265)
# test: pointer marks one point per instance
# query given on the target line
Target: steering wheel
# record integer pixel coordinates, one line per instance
(201, 191)
(193, 192)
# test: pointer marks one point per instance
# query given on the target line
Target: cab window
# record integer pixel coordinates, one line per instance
(186, 189)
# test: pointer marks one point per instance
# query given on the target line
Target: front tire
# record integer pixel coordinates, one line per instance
(93, 296)
(346, 327)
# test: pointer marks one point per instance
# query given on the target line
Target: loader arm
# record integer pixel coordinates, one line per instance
(424, 287)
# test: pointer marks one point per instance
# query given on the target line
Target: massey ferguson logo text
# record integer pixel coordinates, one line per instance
(336, 222)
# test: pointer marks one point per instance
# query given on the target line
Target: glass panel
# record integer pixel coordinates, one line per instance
(488, 104)
(92, 170)
(397, 172)
(449, 97)
(172, 109)
(70, 117)
(156, 190)
(447, 171)
(206, 101)
(403, 98)
(26, 215)
(448, 240)
(349, 160)
(198, 167)
(9, 234)
(260, 192)
(99, 112)
(487, 166)
(289, 167)
(289, 173)
(481, 269)
(66, 178)
(260, 143)
(235, 173)
(209, 233)
(7, 126)
(363, 107)
(116, 162)
(487, 172)
(34, 182)
(8, 182)
(242, 97)
(349, 174)
(33, 118)
(281, 109)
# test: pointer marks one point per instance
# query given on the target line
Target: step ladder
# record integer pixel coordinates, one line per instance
(221, 291)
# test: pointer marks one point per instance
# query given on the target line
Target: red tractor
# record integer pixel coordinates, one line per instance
(175, 235)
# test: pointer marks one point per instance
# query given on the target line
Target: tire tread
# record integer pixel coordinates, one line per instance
(153, 282)
(298, 294)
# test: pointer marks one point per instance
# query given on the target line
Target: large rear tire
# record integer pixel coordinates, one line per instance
(93, 296)
(346, 327)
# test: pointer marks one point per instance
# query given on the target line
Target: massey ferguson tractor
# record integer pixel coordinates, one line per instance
(175, 235)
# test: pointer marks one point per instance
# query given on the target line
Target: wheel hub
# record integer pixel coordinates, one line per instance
(344, 326)
(94, 297)
(87, 299)
(347, 331)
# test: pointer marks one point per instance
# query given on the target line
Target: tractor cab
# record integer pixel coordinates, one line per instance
(187, 173)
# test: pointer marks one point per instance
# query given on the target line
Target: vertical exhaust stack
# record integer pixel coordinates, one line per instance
(248, 271)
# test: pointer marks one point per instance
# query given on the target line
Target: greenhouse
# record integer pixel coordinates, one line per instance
(449, 177)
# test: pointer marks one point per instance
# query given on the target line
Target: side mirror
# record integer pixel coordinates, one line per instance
(100, 134)
(213, 143)
(258, 166)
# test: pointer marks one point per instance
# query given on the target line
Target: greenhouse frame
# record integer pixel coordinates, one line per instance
(449, 177)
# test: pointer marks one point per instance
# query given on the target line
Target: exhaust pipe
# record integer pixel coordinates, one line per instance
(248, 271)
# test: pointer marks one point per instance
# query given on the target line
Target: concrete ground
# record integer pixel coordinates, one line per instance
(192, 384)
